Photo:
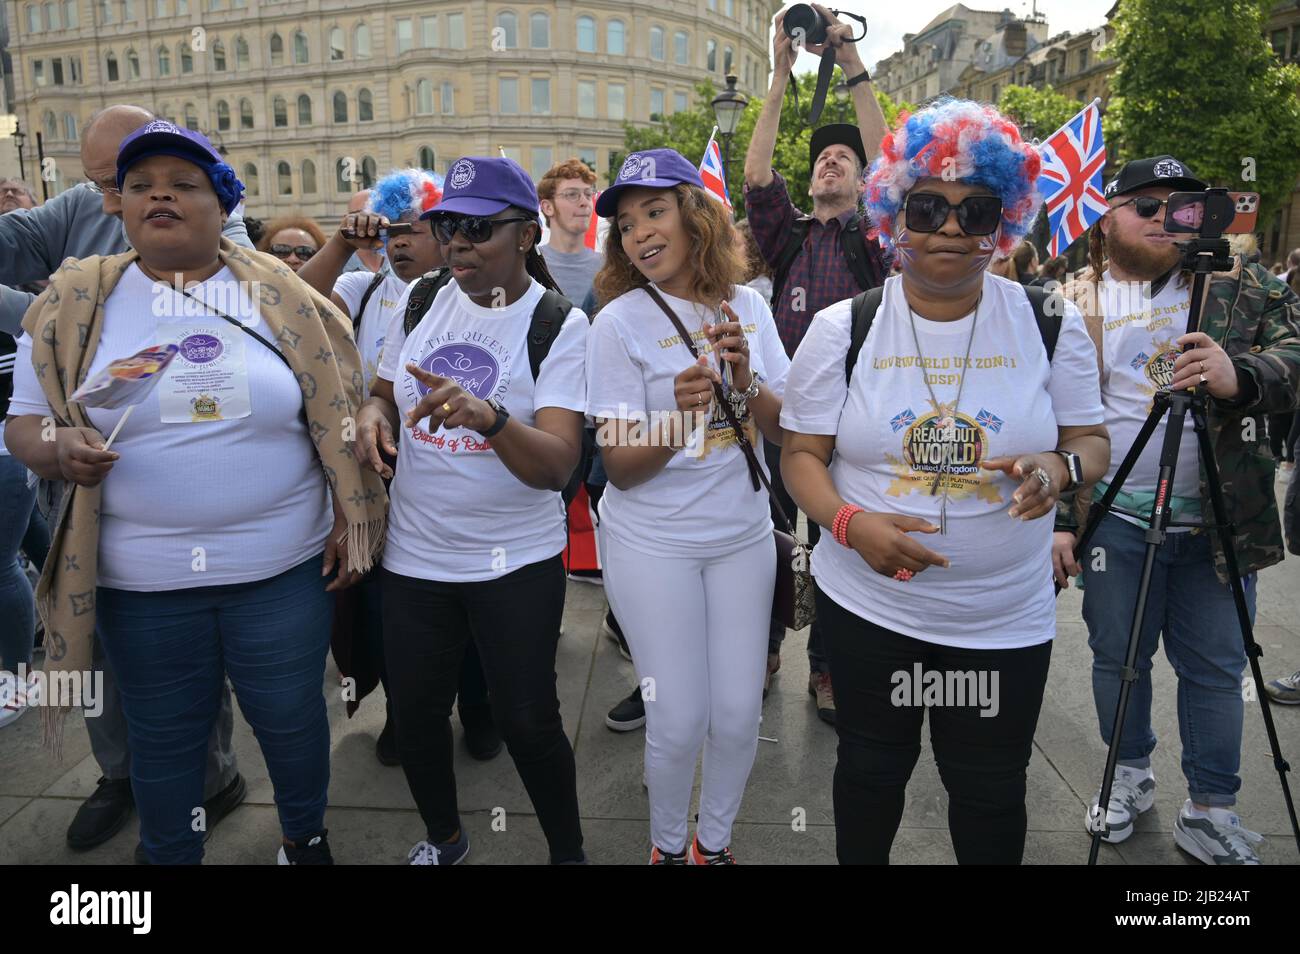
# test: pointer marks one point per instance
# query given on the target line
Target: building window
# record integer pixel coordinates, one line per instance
(164, 61)
(429, 32)
(283, 178)
(539, 33)
(680, 101)
(361, 41)
(403, 35)
(588, 156)
(251, 187)
(187, 60)
(369, 172)
(456, 31)
(508, 95)
(1083, 59)
(681, 48)
(111, 64)
(586, 35)
(341, 181)
(448, 100)
(616, 101)
(105, 11)
(277, 50)
(223, 115)
(1278, 41)
(245, 114)
(51, 13)
(33, 18)
(425, 158)
(280, 113)
(656, 105)
(656, 43)
(304, 110)
(615, 38)
(337, 51)
(541, 98)
(365, 106)
(51, 126)
(308, 177)
(219, 56)
(424, 97)
(128, 10)
(541, 161)
(191, 117)
(70, 14)
(727, 59)
(69, 127)
(241, 53)
(38, 72)
(507, 31)
(587, 99)
(182, 8)
(711, 55)
(74, 70)
(300, 52)
(340, 107)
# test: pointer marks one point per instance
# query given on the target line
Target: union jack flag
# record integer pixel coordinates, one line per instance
(990, 420)
(902, 419)
(1071, 179)
(715, 182)
(1140, 361)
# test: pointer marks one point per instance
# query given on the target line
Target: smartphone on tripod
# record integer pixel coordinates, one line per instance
(1186, 212)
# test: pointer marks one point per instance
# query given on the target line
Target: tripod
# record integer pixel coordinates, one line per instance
(1204, 254)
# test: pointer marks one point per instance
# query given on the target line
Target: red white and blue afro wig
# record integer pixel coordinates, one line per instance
(405, 190)
(976, 143)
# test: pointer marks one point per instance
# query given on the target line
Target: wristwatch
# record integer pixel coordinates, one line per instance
(502, 416)
(1073, 466)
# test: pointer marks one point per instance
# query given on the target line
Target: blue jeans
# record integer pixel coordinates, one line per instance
(1196, 615)
(17, 604)
(171, 652)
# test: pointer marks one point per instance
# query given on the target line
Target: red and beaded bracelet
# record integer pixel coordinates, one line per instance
(840, 526)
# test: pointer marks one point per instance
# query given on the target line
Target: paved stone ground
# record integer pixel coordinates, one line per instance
(372, 819)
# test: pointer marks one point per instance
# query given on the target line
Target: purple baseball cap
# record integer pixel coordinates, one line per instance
(480, 185)
(652, 168)
(159, 137)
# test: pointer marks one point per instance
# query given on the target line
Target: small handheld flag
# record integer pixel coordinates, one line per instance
(1071, 178)
(715, 180)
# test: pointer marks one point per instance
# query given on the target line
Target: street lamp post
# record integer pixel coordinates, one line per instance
(19, 138)
(727, 109)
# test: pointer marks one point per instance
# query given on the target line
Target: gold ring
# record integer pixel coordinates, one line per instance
(1202, 367)
(446, 408)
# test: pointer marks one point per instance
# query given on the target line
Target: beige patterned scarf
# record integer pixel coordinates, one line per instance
(65, 324)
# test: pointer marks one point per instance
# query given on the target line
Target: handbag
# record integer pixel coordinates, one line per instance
(792, 597)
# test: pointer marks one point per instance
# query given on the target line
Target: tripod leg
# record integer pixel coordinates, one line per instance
(1101, 507)
(1226, 533)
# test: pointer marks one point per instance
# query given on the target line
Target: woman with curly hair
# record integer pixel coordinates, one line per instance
(954, 416)
(685, 531)
(292, 240)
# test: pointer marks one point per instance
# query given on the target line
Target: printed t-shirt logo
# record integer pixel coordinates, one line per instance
(472, 367)
(1159, 369)
(940, 435)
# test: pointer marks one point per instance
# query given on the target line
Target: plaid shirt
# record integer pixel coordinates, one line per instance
(820, 269)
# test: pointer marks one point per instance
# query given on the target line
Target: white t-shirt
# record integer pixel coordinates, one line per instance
(206, 503)
(1138, 352)
(351, 287)
(456, 513)
(703, 501)
(997, 593)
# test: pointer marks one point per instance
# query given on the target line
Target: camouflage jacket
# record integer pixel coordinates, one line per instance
(1255, 318)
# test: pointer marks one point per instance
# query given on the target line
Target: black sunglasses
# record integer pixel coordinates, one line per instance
(475, 228)
(304, 252)
(976, 214)
(1144, 205)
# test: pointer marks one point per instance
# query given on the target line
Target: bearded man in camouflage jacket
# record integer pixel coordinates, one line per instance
(1246, 355)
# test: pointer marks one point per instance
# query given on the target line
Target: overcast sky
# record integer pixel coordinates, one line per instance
(888, 21)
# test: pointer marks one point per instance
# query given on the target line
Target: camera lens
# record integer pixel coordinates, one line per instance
(804, 23)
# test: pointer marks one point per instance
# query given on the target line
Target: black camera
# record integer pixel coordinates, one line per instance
(805, 25)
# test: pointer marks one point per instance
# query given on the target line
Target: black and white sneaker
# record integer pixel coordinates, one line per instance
(314, 850)
(628, 714)
(611, 629)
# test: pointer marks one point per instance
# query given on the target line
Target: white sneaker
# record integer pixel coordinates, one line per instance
(1216, 838)
(422, 854)
(1132, 793)
(15, 698)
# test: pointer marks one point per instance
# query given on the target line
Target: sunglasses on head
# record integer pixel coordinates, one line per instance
(976, 214)
(1144, 205)
(304, 252)
(475, 228)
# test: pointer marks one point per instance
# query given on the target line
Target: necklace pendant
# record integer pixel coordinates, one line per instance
(943, 517)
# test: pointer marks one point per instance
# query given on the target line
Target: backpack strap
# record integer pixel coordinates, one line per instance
(1048, 319)
(854, 246)
(365, 300)
(422, 295)
(781, 267)
(864, 308)
(548, 319)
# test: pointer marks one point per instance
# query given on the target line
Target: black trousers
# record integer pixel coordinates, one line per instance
(981, 758)
(514, 622)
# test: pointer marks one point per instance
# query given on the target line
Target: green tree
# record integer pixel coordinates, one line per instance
(1038, 112)
(688, 132)
(1199, 81)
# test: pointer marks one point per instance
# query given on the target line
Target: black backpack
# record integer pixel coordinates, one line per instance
(867, 303)
(852, 244)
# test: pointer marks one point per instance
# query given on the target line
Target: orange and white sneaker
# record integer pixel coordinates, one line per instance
(698, 856)
(658, 857)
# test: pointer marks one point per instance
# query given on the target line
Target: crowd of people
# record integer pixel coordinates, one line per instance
(431, 383)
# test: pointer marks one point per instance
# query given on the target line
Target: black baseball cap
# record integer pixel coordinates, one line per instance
(836, 134)
(1156, 171)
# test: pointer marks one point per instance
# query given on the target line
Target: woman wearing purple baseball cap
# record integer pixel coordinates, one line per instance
(685, 528)
(200, 547)
(488, 439)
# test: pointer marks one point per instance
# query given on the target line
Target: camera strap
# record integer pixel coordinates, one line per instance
(825, 71)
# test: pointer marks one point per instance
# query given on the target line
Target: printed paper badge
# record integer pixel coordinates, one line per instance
(209, 377)
(943, 435)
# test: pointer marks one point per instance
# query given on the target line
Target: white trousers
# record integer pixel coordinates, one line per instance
(697, 628)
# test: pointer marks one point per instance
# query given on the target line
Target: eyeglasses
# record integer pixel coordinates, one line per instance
(475, 228)
(573, 195)
(100, 189)
(1144, 205)
(304, 252)
(976, 214)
